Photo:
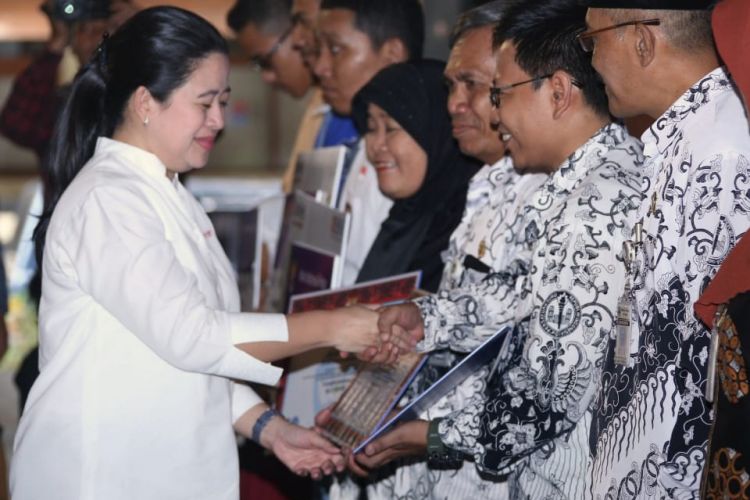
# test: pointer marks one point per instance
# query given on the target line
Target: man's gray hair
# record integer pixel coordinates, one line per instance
(687, 30)
(488, 14)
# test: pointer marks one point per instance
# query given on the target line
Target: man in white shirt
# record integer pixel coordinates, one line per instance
(652, 418)
(358, 39)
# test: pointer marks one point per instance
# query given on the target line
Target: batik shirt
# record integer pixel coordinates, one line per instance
(559, 290)
(495, 192)
(651, 422)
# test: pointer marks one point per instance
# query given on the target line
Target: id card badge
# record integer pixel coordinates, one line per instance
(624, 329)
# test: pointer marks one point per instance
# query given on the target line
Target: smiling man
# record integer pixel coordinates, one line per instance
(556, 280)
(657, 57)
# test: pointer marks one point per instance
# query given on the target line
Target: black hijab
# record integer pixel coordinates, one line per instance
(417, 228)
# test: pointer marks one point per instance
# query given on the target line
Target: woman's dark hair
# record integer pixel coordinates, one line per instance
(158, 48)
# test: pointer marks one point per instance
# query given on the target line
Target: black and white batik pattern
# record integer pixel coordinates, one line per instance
(560, 291)
(495, 191)
(651, 422)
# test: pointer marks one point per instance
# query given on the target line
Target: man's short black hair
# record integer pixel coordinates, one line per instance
(488, 14)
(544, 34)
(268, 16)
(382, 20)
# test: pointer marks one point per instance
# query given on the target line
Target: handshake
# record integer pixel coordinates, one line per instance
(379, 335)
(375, 336)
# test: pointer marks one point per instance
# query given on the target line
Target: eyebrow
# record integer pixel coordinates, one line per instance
(470, 75)
(213, 93)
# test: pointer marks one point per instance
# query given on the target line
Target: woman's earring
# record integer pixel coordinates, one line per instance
(145, 121)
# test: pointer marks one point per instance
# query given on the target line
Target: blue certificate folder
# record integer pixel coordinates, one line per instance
(488, 352)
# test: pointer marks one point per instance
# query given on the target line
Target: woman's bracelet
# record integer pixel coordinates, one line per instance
(262, 422)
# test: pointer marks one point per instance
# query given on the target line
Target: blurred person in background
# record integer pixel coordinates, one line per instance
(268, 31)
(31, 110)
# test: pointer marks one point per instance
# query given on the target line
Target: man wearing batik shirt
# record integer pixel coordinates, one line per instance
(475, 247)
(558, 275)
(651, 421)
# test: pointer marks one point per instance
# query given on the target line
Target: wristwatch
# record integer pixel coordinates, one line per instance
(440, 456)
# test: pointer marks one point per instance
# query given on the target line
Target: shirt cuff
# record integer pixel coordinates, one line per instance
(243, 398)
(254, 327)
(238, 364)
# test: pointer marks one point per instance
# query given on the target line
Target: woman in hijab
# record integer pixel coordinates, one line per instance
(403, 116)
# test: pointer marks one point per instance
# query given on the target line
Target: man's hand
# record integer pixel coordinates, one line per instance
(407, 440)
(401, 327)
(303, 451)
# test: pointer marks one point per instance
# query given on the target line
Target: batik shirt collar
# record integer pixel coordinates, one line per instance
(578, 165)
(659, 137)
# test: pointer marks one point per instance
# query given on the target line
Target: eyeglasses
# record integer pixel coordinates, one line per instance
(263, 62)
(588, 38)
(497, 92)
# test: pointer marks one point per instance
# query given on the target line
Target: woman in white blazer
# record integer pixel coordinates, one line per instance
(141, 338)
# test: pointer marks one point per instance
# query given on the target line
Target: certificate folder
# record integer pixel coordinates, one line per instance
(490, 350)
(317, 379)
(370, 397)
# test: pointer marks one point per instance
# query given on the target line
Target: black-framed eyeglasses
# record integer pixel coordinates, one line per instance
(262, 62)
(587, 39)
(497, 92)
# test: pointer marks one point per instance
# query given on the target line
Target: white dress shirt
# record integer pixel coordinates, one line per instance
(558, 286)
(652, 419)
(138, 327)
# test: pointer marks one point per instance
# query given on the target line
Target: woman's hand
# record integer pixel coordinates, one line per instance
(302, 450)
(355, 328)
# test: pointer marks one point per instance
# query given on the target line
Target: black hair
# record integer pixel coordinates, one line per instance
(488, 14)
(158, 48)
(544, 34)
(383, 20)
(269, 16)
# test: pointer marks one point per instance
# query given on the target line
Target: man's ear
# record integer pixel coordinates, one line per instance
(394, 51)
(562, 93)
(645, 44)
